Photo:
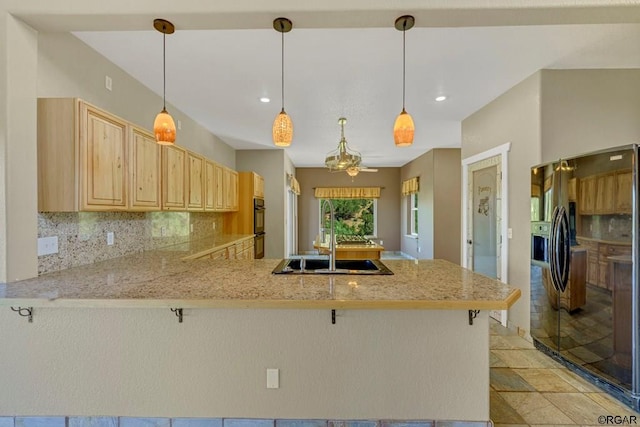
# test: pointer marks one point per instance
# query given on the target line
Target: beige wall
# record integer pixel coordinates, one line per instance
(18, 147)
(69, 68)
(270, 164)
(588, 110)
(372, 364)
(388, 212)
(439, 203)
(512, 117)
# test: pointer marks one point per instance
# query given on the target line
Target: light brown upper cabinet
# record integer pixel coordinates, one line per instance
(605, 193)
(174, 168)
(572, 189)
(218, 174)
(258, 186)
(231, 190)
(587, 199)
(195, 182)
(82, 157)
(209, 186)
(624, 193)
(144, 173)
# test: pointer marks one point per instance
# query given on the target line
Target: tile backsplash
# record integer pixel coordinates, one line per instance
(607, 227)
(82, 236)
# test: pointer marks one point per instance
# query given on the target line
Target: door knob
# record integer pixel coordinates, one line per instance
(470, 242)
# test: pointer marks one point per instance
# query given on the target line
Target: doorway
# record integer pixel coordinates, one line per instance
(485, 216)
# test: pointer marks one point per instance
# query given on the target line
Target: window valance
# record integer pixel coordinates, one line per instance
(294, 185)
(411, 186)
(347, 193)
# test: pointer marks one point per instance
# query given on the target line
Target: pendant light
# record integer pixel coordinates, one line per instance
(282, 125)
(163, 127)
(403, 129)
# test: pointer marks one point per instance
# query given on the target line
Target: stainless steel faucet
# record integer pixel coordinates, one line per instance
(332, 237)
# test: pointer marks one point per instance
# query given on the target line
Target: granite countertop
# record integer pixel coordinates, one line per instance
(197, 248)
(163, 278)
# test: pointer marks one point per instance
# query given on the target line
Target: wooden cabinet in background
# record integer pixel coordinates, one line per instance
(258, 186)
(593, 254)
(605, 194)
(174, 167)
(209, 186)
(587, 198)
(624, 192)
(572, 189)
(195, 182)
(144, 171)
(230, 190)
(575, 295)
(82, 157)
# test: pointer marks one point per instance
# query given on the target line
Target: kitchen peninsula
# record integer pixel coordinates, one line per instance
(402, 346)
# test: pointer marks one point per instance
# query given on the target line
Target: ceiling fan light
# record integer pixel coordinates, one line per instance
(352, 171)
(282, 130)
(403, 130)
(164, 128)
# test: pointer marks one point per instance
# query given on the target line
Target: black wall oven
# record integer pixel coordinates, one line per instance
(258, 227)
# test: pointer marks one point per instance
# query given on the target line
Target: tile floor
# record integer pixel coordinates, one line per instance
(530, 388)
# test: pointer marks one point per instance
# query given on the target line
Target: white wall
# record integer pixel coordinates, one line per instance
(270, 164)
(382, 364)
(69, 68)
(439, 204)
(588, 110)
(18, 146)
(512, 117)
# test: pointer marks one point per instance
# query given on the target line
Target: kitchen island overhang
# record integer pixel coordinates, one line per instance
(400, 349)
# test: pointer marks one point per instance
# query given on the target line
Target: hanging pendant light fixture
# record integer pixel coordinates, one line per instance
(404, 129)
(282, 125)
(163, 126)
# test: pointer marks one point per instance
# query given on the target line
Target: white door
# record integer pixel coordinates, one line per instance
(484, 237)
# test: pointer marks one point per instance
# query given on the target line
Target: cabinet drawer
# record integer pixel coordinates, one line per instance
(615, 250)
(219, 254)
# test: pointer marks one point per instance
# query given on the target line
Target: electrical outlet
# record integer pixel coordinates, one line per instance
(110, 238)
(108, 83)
(191, 228)
(419, 249)
(47, 245)
(163, 231)
(273, 378)
(213, 224)
(381, 242)
(510, 233)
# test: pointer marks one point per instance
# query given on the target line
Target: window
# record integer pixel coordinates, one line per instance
(412, 210)
(353, 216)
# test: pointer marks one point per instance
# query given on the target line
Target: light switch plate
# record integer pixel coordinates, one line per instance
(47, 245)
(273, 378)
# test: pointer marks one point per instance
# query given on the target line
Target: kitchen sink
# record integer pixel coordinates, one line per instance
(321, 266)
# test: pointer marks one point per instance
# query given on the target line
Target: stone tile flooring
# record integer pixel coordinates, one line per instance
(530, 388)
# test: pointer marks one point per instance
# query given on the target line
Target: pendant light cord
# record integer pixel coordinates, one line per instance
(282, 33)
(404, 32)
(164, 67)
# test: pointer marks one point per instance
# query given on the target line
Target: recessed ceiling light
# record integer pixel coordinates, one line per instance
(441, 98)
(265, 99)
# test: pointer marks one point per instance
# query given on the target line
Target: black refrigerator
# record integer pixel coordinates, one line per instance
(584, 269)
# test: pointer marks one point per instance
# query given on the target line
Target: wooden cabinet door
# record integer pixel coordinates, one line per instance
(218, 174)
(174, 165)
(144, 162)
(605, 191)
(258, 186)
(572, 189)
(231, 190)
(624, 202)
(195, 182)
(103, 151)
(587, 199)
(209, 186)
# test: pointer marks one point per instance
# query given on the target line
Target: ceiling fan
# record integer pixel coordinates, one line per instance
(343, 158)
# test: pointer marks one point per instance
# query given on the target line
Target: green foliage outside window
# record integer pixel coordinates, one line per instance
(353, 216)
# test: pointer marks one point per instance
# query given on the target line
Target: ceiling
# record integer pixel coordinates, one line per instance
(217, 77)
